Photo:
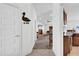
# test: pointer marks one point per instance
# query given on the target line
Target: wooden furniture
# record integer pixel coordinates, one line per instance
(50, 36)
(70, 30)
(75, 41)
(67, 42)
(40, 31)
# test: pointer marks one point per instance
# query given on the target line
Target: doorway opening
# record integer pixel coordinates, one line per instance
(44, 41)
(71, 30)
(44, 30)
(43, 44)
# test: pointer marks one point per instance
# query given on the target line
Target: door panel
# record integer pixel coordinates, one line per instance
(10, 27)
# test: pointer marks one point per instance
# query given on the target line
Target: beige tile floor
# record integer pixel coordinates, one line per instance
(41, 47)
(42, 42)
(41, 52)
(74, 51)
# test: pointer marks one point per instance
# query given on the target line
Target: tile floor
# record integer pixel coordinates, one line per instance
(41, 52)
(42, 42)
(41, 47)
(74, 51)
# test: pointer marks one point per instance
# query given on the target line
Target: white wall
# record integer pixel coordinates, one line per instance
(43, 19)
(72, 23)
(29, 30)
(10, 31)
(57, 29)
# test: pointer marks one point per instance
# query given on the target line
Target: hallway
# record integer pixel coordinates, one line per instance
(41, 52)
(41, 47)
(42, 42)
(19, 24)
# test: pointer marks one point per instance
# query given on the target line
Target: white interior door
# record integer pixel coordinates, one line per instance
(10, 31)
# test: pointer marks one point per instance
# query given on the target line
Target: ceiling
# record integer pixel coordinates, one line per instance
(44, 11)
(42, 8)
(72, 9)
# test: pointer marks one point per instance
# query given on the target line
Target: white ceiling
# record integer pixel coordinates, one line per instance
(42, 8)
(43, 11)
(72, 9)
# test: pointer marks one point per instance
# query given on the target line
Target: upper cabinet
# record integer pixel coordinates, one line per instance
(64, 17)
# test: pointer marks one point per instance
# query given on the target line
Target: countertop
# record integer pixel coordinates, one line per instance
(69, 34)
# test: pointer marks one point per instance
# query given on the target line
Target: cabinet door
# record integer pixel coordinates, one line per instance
(10, 28)
(76, 41)
(66, 45)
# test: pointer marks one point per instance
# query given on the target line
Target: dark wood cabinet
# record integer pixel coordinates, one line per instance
(67, 42)
(50, 36)
(75, 41)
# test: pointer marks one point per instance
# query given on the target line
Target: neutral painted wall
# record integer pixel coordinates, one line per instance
(10, 31)
(28, 31)
(57, 29)
(72, 23)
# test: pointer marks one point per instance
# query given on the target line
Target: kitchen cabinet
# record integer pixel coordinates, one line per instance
(75, 39)
(67, 43)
